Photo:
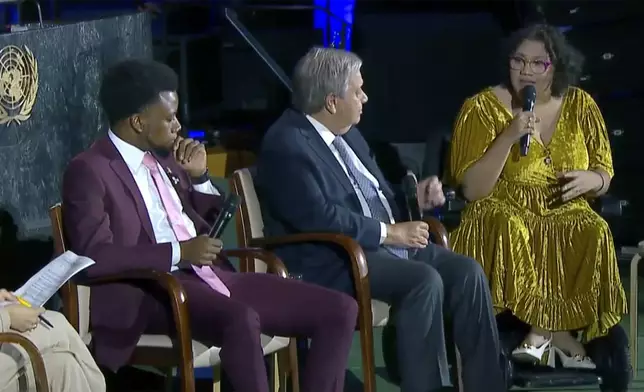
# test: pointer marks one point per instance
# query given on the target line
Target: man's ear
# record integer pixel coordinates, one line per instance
(330, 103)
(137, 122)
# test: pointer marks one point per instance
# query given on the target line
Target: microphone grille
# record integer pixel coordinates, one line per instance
(232, 202)
(529, 92)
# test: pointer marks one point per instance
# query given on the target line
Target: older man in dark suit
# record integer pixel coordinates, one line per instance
(315, 174)
(136, 199)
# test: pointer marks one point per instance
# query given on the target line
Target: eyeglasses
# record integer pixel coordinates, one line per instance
(537, 66)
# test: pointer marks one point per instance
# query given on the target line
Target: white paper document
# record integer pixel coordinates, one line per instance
(42, 286)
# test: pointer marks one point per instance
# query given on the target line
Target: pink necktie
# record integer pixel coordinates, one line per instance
(178, 226)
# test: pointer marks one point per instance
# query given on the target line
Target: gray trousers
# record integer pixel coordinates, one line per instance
(433, 281)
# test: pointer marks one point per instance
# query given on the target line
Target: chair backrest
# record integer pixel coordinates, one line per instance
(75, 297)
(250, 224)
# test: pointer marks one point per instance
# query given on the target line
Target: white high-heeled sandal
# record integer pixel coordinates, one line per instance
(529, 353)
(574, 361)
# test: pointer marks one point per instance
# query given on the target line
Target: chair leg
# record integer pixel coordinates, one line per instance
(168, 380)
(288, 368)
(294, 366)
(368, 360)
(633, 310)
(275, 373)
(216, 378)
(459, 370)
(454, 359)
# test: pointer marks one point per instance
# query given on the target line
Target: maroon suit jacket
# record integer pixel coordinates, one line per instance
(105, 218)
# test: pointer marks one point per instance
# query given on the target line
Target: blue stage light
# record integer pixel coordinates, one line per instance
(332, 26)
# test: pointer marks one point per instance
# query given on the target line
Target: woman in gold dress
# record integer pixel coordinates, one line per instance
(549, 257)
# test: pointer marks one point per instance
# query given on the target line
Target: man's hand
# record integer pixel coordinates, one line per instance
(7, 296)
(430, 193)
(578, 183)
(191, 156)
(201, 250)
(22, 318)
(408, 234)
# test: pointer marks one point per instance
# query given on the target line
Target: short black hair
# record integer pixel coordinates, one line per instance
(131, 85)
(568, 62)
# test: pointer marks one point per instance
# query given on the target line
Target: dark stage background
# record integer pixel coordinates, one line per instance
(421, 60)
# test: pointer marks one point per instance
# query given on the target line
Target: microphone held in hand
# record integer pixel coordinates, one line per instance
(410, 190)
(529, 96)
(225, 215)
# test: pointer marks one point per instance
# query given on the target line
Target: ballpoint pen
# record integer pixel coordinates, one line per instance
(40, 316)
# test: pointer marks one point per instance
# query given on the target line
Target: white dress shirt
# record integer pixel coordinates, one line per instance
(328, 137)
(163, 232)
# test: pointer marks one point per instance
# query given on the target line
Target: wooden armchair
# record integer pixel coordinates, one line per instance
(163, 351)
(40, 374)
(372, 313)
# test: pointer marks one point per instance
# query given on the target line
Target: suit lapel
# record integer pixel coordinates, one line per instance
(106, 148)
(123, 172)
(323, 151)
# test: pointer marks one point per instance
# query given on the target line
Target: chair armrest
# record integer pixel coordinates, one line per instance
(437, 231)
(175, 291)
(354, 250)
(164, 279)
(275, 265)
(40, 374)
(357, 259)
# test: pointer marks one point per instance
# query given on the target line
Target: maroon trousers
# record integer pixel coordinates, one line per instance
(262, 303)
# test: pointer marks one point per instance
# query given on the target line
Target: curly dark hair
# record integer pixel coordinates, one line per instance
(567, 61)
(130, 85)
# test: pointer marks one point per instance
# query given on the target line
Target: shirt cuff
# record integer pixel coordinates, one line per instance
(176, 253)
(206, 188)
(383, 232)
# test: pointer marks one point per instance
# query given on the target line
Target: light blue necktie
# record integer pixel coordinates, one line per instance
(368, 190)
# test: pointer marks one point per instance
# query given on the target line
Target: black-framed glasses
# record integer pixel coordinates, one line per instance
(538, 67)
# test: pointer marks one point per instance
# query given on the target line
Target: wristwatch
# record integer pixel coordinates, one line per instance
(205, 177)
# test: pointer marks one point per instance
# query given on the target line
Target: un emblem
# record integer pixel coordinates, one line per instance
(18, 84)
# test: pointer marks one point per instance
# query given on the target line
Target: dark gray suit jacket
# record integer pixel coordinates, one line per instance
(303, 189)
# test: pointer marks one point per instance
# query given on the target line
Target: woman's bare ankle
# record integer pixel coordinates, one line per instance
(566, 342)
(541, 332)
(537, 336)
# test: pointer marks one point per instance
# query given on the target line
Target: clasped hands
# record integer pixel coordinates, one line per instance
(191, 155)
(416, 234)
(22, 318)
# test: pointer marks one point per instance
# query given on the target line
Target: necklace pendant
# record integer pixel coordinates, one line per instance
(548, 161)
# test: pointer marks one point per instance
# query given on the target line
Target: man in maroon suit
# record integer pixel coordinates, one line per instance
(138, 199)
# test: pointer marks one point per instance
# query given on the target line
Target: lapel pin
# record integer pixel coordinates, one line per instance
(173, 178)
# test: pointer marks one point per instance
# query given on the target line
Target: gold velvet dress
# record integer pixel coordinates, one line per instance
(552, 264)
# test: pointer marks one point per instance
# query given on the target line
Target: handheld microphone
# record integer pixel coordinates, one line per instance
(410, 190)
(225, 215)
(529, 95)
